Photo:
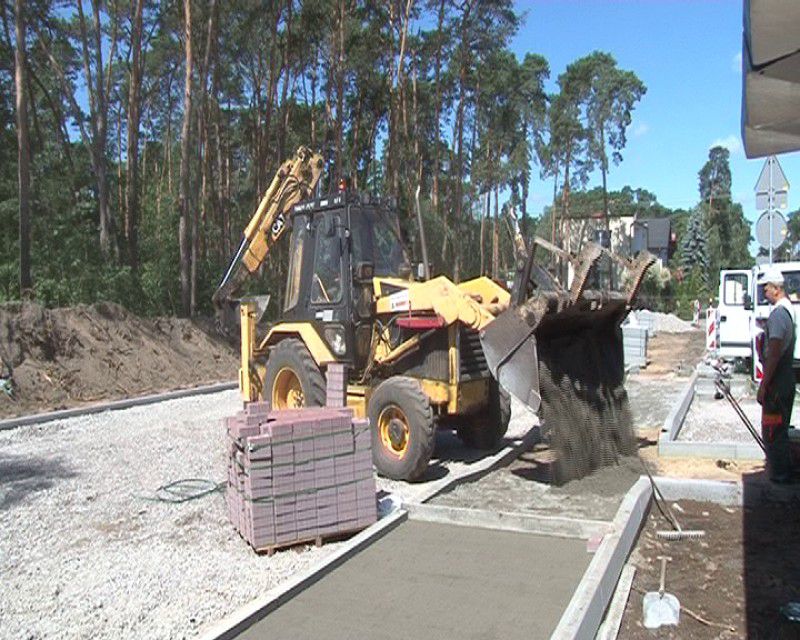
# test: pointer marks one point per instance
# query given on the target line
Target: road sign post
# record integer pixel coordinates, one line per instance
(772, 194)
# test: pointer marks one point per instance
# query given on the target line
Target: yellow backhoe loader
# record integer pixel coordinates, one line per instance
(419, 355)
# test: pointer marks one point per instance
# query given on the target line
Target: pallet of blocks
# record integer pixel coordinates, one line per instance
(298, 476)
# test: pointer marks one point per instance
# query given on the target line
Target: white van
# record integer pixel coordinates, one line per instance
(743, 311)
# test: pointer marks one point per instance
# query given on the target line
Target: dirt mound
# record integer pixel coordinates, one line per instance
(65, 357)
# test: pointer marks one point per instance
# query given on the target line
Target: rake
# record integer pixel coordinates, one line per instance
(678, 532)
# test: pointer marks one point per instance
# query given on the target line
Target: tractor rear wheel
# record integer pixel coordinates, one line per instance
(486, 429)
(403, 428)
(292, 379)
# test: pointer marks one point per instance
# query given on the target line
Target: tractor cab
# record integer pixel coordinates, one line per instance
(338, 244)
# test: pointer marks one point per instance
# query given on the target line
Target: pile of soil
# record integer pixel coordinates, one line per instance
(66, 357)
(737, 577)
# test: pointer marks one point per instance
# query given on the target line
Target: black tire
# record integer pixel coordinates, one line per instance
(403, 428)
(486, 429)
(292, 378)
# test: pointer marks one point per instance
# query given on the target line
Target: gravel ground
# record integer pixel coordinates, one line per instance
(710, 420)
(652, 399)
(84, 553)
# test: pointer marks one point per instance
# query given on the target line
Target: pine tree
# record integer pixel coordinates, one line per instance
(694, 250)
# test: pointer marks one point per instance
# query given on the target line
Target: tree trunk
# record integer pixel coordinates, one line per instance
(132, 159)
(184, 239)
(604, 171)
(496, 235)
(23, 154)
(437, 105)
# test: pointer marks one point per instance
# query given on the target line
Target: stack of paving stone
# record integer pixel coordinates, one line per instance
(298, 475)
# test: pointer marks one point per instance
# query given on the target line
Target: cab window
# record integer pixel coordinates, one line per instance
(299, 235)
(377, 241)
(326, 284)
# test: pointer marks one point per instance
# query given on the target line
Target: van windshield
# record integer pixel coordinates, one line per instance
(791, 286)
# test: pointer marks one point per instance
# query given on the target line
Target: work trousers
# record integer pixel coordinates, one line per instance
(776, 414)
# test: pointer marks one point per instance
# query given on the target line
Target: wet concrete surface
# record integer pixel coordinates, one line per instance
(426, 580)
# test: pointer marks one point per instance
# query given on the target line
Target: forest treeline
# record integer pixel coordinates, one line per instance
(136, 137)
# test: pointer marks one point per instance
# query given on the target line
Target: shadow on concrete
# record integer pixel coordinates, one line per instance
(771, 554)
(22, 476)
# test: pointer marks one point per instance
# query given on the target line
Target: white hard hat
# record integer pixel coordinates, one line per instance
(772, 276)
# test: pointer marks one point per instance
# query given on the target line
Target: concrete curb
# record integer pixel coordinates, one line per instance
(609, 630)
(715, 450)
(674, 421)
(510, 451)
(247, 615)
(38, 418)
(583, 615)
(506, 521)
(717, 491)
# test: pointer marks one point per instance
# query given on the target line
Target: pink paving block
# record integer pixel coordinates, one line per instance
(280, 430)
(363, 471)
(263, 541)
(347, 525)
(343, 443)
(257, 482)
(257, 407)
(306, 520)
(283, 452)
(344, 476)
(306, 502)
(327, 516)
(366, 486)
(364, 522)
(259, 448)
(370, 515)
(303, 484)
(288, 529)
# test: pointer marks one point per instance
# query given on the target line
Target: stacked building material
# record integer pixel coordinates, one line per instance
(299, 475)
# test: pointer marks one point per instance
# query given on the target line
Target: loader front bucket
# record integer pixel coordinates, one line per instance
(560, 352)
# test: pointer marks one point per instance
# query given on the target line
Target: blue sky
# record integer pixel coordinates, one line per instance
(688, 53)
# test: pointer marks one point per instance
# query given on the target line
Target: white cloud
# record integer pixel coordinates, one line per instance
(732, 143)
(641, 129)
(736, 62)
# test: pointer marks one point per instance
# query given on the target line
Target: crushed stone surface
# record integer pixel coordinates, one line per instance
(87, 553)
(715, 420)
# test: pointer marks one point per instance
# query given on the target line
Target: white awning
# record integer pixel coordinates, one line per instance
(771, 77)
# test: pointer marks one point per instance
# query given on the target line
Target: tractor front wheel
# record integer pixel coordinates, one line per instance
(292, 379)
(403, 428)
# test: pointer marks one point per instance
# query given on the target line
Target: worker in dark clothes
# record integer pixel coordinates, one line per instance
(776, 392)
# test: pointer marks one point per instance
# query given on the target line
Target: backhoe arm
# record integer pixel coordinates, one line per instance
(294, 181)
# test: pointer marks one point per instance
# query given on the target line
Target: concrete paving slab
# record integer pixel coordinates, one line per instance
(442, 581)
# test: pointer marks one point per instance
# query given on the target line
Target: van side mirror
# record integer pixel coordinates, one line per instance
(748, 302)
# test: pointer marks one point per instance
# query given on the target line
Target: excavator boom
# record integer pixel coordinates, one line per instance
(294, 181)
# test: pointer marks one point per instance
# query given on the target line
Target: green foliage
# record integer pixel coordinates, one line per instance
(694, 249)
